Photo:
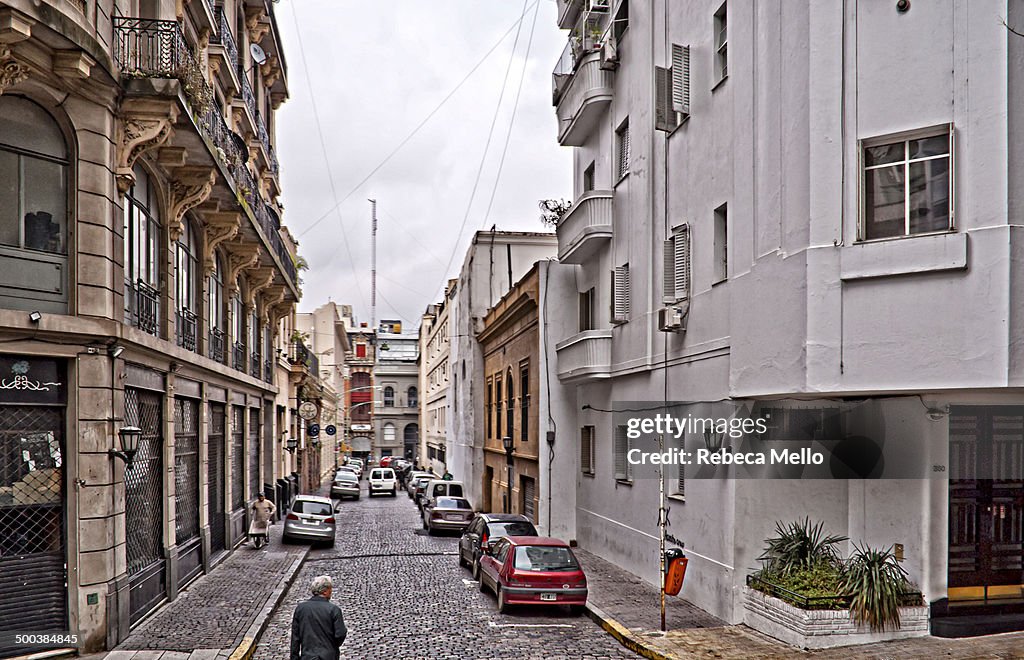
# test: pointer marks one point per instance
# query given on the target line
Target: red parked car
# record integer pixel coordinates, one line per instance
(533, 570)
(386, 461)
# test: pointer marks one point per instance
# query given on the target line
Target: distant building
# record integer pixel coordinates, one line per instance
(396, 405)
(435, 378)
(325, 335)
(357, 415)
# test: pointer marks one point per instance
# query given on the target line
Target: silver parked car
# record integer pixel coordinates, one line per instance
(311, 518)
(411, 479)
(447, 513)
(345, 485)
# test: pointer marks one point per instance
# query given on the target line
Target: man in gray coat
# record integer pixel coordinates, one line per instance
(318, 628)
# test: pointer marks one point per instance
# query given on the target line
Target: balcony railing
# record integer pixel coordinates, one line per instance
(238, 356)
(157, 49)
(186, 323)
(216, 348)
(224, 38)
(585, 356)
(585, 227)
(261, 128)
(300, 355)
(143, 306)
(255, 365)
(268, 371)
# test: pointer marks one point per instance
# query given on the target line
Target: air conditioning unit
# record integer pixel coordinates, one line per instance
(609, 54)
(671, 319)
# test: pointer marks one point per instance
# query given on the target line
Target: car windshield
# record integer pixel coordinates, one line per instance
(513, 528)
(452, 503)
(545, 558)
(312, 508)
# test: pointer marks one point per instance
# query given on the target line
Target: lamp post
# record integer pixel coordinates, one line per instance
(129, 437)
(509, 461)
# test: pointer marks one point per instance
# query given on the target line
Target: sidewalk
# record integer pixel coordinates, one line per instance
(220, 615)
(628, 608)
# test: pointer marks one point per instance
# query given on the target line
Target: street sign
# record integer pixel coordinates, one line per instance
(313, 430)
(330, 430)
(308, 410)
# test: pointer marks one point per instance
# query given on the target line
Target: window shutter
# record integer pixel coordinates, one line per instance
(620, 294)
(587, 450)
(668, 287)
(681, 79)
(622, 470)
(664, 115)
(681, 262)
(623, 164)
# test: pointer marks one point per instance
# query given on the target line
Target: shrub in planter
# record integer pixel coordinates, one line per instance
(800, 546)
(877, 584)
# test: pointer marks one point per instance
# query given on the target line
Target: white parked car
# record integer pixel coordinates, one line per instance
(383, 480)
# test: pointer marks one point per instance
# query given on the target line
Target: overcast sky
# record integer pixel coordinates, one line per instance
(376, 70)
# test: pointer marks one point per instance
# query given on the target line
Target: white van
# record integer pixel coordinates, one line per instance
(440, 488)
(383, 480)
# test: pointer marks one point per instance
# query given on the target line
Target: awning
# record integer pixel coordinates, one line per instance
(360, 443)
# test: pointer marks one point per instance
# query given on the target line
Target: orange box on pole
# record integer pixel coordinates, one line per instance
(675, 572)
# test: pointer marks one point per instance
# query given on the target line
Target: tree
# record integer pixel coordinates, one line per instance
(553, 209)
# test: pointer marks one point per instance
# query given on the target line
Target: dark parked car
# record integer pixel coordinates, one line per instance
(485, 530)
(533, 570)
(447, 513)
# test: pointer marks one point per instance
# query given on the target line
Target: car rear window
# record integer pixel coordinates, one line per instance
(513, 528)
(544, 558)
(346, 476)
(312, 508)
(452, 503)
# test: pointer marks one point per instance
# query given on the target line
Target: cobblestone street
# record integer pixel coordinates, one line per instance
(405, 596)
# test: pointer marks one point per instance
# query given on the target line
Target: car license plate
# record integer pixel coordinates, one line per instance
(549, 596)
(455, 517)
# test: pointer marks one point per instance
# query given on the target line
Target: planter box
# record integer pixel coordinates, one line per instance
(819, 629)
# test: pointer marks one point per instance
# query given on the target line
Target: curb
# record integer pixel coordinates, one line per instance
(624, 635)
(247, 647)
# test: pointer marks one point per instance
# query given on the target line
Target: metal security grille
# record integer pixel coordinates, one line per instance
(215, 477)
(529, 492)
(33, 592)
(254, 453)
(237, 458)
(186, 470)
(143, 481)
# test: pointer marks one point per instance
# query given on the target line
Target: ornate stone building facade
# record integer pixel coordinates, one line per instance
(144, 272)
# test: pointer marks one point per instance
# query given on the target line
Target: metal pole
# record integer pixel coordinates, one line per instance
(662, 520)
(509, 478)
(373, 266)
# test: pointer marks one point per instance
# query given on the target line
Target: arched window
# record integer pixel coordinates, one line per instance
(186, 269)
(413, 397)
(216, 348)
(410, 438)
(142, 254)
(389, 434)
(389, 396)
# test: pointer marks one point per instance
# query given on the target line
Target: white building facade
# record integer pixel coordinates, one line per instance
(435, 378)
(396, 395)
(801, 209)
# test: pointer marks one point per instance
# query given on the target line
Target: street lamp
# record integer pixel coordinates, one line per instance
(509, 444)
(291, 444)
(129, 437)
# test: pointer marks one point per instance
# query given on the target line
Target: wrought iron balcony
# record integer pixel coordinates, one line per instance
(216, 349)
(143, 306)
(585, 227)
(301, 356)
(225, 39)
(249, 97)
(255, 365)
(238, 356)
(268, 370)
(186, 326)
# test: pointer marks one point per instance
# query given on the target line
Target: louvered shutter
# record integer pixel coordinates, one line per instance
(623, 164)
(620, 294)
(587, 450)
(681, 262)
(664, 115)
(622, 468)
(681, 79)
(668, 287)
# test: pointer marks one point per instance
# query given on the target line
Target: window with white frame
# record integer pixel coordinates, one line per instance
(587, 450)
(622, 154)
(389, 396)
(676, 285)
(906, 184)
(623, 470)
(721, 45)
(672, 90)
(586, 310)
(721, 243)
(620, 294)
